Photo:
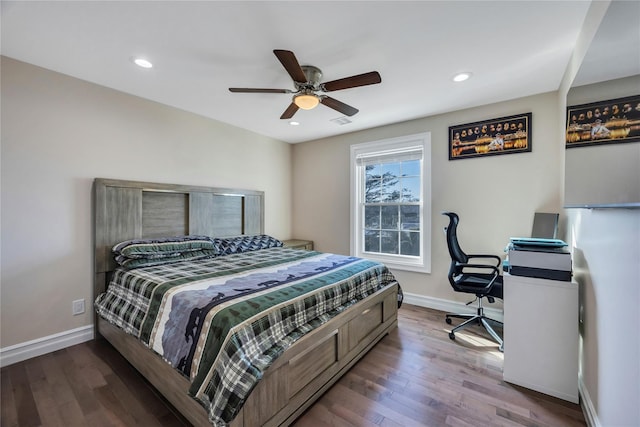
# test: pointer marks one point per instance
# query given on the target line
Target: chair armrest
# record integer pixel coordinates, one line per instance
(496, 257)
(493, 270)
(481, 266)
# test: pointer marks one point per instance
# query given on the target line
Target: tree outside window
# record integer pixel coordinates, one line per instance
(392, 208)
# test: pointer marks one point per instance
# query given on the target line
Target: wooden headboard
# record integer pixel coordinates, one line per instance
(127, 210)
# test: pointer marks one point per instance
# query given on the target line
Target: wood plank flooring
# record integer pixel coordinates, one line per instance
(416, 376)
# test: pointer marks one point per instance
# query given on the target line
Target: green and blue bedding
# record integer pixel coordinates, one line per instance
(221, 321)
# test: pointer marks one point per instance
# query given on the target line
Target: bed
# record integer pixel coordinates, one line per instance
(299, 356)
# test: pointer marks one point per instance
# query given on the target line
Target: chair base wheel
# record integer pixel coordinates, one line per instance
(448, 320)
(452, 336)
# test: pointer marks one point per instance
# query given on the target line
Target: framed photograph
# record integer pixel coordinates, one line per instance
(607, 122)
(504, 135)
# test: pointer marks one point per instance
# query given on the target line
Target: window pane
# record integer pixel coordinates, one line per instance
(373, 170)
(410, 217)
(410, 243)
(411, 167)
(410, 189)
(371, 241)
(391, 169)
(373, 187)
(389, 215)
(389, 242)
(392, 191)
(390, 185)
(372, 217)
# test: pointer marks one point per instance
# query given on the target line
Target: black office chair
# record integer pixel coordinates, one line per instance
(482, 279)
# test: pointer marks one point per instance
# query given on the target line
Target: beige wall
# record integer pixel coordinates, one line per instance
(606, 173)
(495, 196)
(58, 133)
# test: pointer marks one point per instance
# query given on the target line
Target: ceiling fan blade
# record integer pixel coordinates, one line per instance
(250, 90)
(290, 111)
(345, 109)
(290, 63)
(365, 79)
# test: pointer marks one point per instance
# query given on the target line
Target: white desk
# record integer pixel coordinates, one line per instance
(541, 335)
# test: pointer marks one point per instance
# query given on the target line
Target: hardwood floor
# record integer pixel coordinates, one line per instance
(415, 376)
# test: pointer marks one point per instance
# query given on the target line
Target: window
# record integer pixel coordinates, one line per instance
(391, 201)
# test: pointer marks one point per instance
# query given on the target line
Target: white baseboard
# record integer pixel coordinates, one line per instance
(589, 411)
(38, 347)
(451, 306)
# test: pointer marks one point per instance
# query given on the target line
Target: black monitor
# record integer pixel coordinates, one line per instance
(545, 225)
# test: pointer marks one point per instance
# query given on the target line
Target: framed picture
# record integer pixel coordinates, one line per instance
(503, 135)
(607, 122)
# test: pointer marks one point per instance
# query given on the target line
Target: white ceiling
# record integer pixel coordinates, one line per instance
(200, 49)
(615, 50)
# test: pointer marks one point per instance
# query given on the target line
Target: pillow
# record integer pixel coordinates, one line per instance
(129, 262)
(235, 245)
(163, 247)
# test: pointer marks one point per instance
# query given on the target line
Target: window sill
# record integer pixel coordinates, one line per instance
(395, 265)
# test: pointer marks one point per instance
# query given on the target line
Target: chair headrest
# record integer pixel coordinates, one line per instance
(455, 251)
(452, 216)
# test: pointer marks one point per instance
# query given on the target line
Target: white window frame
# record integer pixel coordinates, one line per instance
(391, 147)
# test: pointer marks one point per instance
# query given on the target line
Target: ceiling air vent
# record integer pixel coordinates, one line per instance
(341, 121)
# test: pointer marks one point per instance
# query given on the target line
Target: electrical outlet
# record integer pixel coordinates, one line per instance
(78, 307)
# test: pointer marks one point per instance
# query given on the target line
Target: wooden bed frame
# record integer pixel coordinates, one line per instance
(128, 209)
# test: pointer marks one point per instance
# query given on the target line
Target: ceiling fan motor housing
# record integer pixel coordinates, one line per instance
(313, 75)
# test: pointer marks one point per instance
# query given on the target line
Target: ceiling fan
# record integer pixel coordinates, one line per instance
(309, 91)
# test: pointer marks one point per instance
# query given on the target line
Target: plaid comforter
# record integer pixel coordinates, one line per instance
(222, 321)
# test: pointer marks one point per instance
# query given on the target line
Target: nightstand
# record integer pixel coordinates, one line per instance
(298, 244)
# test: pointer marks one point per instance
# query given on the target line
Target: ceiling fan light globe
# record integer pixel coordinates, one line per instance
(306, 101)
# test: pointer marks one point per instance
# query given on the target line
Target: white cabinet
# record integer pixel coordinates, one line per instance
(541, 335)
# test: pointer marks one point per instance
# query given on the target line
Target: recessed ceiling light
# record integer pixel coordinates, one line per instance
(294, 123)
(141, 62)
(460, 77)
